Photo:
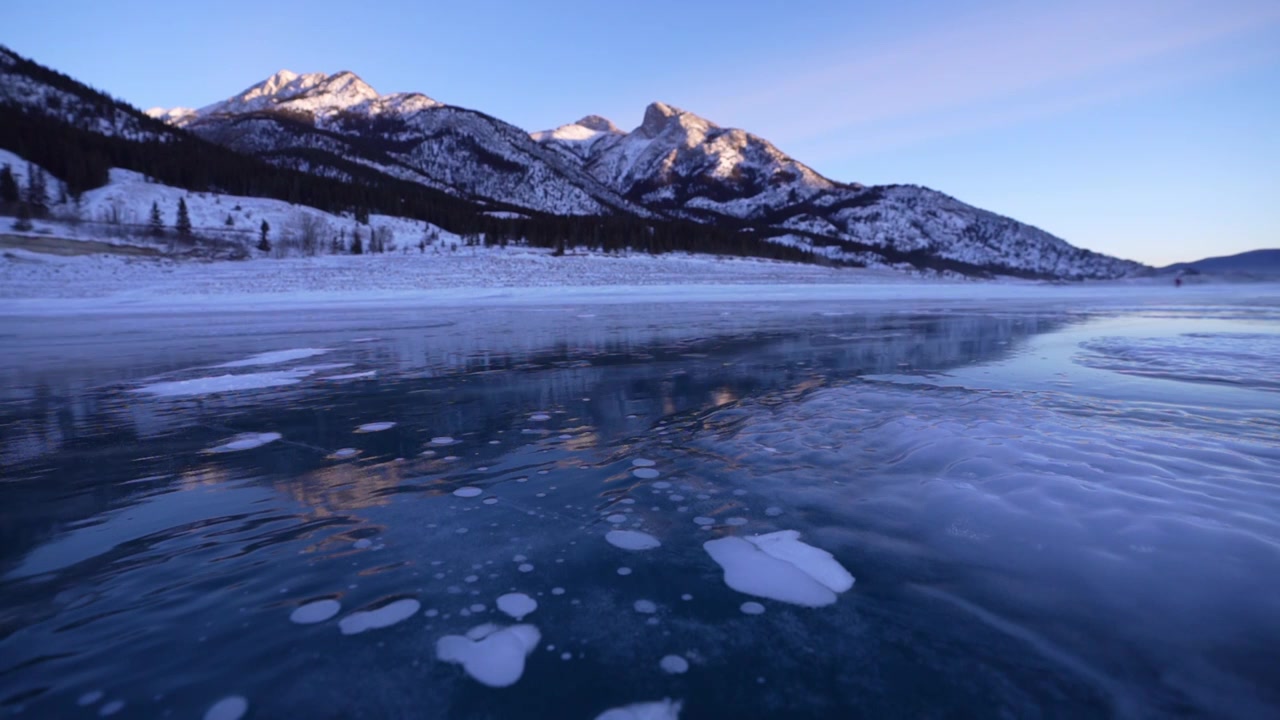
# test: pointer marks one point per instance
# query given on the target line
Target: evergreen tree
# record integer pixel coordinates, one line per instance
(8, 186)
(183, 225)
(230, 222)
(357, 246)
(156, 226)
(24, 218)
(37, 199)
(263, 243)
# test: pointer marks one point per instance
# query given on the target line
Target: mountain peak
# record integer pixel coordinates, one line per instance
(599, 124)
(659, 116)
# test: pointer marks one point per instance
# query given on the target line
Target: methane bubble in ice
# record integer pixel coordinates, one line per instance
(780, 567)
(751, 607)
(632, 540)
(643, 462)
(228, 708)
(467, 492)
(517, 605)
(491, 655)
(315, 612)
(385, 616)
(374, 427)
(645, 473)
(661, 710)
(674, 664)
(647, 607)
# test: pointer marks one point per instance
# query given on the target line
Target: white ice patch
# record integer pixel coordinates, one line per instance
(490, 655)
(315, 612)
(632, 540)
(385, 616)
(780, 567)
(245, 441)
(352, 376)
(228, 708)
(517, 605)
(674, 664)
(645, 473)
(275, 357)
(224, 383)
(664, 709)
(374, 427)
(467, 492)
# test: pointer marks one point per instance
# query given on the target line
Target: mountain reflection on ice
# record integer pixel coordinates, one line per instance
(1047, 514)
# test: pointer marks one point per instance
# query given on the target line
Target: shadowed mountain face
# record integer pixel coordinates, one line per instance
(1254, 262)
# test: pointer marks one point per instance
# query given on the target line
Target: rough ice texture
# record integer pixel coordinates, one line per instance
(780, 567)
(314, 612)
(385, 616)
(375, 427)
(517, 605)
(491, 655)
(228, 708)
(664, 709)
(246, 441)
(275, 357)
(632, 540)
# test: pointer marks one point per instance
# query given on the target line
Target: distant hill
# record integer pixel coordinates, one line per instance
(1253, 262)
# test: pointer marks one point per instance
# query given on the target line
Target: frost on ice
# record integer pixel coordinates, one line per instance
(517, 605)
(780, 567)
(664, 709)
(385, 616)
(374, 427)
(491, 655)
(314, 612)
(275, 357)
(632, 540)
(228, 708)
(245, 441)
(224, 383)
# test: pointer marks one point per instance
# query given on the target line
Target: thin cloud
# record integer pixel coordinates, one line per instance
(983, 59)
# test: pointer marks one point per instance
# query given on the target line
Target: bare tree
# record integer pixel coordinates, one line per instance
(306, 231)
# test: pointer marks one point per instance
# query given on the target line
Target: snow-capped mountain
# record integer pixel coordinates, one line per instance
(319, 123)
(680, 164)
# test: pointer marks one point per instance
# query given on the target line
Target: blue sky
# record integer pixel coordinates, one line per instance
(1148, 129)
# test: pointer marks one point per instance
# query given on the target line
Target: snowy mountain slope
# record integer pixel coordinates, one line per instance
(683, 165)
(311, 121)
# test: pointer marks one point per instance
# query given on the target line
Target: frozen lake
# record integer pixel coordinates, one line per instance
(1031, 510)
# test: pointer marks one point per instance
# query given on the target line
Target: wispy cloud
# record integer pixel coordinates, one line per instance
(1030, 59)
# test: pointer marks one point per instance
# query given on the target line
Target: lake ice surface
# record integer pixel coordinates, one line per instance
(1049, 510)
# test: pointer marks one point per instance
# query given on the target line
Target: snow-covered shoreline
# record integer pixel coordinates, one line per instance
(35, 284)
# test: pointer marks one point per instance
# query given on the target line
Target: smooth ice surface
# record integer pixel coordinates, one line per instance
(315, 612)
(750, 570)
(385, 616)
(274, 357)
(818, 564)
(228, 708)
(491, 655)
(632, 540)
(673, 664)
(374, 427)
(468, 492)
(517, 605)
(224, 383)
(246, 441)
(660, 710)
